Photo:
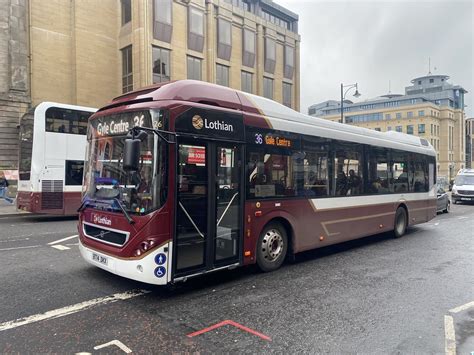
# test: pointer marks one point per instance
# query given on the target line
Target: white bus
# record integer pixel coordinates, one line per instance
(51, 160)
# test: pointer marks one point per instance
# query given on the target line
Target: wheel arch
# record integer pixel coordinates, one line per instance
(405, 207)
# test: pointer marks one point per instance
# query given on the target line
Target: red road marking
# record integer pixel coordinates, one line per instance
(229, 322)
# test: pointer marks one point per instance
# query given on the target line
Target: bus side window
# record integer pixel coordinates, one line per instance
(378, 179)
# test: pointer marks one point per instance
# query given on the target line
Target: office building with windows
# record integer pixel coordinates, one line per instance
(87, 52)
(431, 108)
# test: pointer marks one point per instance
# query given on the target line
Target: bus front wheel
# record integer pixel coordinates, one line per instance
(401, 222)
(272, 247)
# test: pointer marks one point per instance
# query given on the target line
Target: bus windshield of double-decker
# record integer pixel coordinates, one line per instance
(106, 184)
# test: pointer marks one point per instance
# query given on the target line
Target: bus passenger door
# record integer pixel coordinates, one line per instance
(208, 210)
(228, 204)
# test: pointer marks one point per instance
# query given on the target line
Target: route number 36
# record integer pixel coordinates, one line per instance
(139, 120)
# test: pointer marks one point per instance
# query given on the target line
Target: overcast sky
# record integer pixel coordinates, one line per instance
(372, 42)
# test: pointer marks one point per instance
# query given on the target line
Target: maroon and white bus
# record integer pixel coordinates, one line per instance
(51, 160)
(212, 178)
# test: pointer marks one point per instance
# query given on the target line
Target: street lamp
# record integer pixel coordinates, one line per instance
(343, 95)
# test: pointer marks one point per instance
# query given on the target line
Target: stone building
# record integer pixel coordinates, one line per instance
(14, 79)
(431, 108)
(87, 52)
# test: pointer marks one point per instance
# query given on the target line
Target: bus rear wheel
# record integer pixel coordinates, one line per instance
(272, 247)
(401, 222)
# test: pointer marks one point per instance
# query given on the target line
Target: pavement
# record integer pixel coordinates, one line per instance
(9, 209)
(375, 295)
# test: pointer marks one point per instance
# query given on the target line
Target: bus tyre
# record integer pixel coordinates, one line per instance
(272, 247)
(401, 222)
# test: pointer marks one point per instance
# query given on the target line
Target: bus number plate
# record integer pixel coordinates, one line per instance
(99, 258)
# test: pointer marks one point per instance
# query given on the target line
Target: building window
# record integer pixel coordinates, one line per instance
(289, 62)
(398, 129)
(224, 39)
(421, 113)
(162, 24)
(398, 115)
(268, 88)
(410, 129)
(388, 116)
(248, 53)
(161, 65)
(127, 69)
(195, 29)
(421, 128)
(419, 82)
(270, 55)
(287, 94)
(410, 114)
(222, 75)
(194, 68)
(276, 20)
(431, 81)
(126, 11)
(246, 81)
(389, 128)
(377, 129)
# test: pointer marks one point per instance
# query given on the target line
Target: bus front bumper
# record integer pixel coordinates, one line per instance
(154, 268)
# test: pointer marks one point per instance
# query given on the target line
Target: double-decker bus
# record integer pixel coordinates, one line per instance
(186, 178)
(51, 160)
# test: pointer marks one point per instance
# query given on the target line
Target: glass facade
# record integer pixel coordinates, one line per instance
(378, 116)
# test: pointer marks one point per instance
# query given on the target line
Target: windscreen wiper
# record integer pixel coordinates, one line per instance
(129, 219)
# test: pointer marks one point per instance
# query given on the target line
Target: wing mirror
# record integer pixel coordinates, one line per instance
(131, 150)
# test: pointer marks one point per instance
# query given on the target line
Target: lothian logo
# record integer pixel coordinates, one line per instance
(101, 220)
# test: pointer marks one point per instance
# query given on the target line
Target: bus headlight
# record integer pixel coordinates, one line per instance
(144, 247)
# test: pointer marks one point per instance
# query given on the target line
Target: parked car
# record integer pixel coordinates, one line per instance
(463, 188)
(443, 203)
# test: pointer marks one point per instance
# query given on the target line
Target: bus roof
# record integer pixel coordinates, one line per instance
(43, 106)
(276, 115)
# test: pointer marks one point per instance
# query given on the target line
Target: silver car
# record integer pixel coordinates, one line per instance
(443, 203)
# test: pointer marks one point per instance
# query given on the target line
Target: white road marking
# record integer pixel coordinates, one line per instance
(463, 217)
(64, 239)
(16, 248)
(462, 308)
(118, 343)
(450, 337)
(13, 240)
(72, 244)
(60, 247)
(436, 224)
(61, 312)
